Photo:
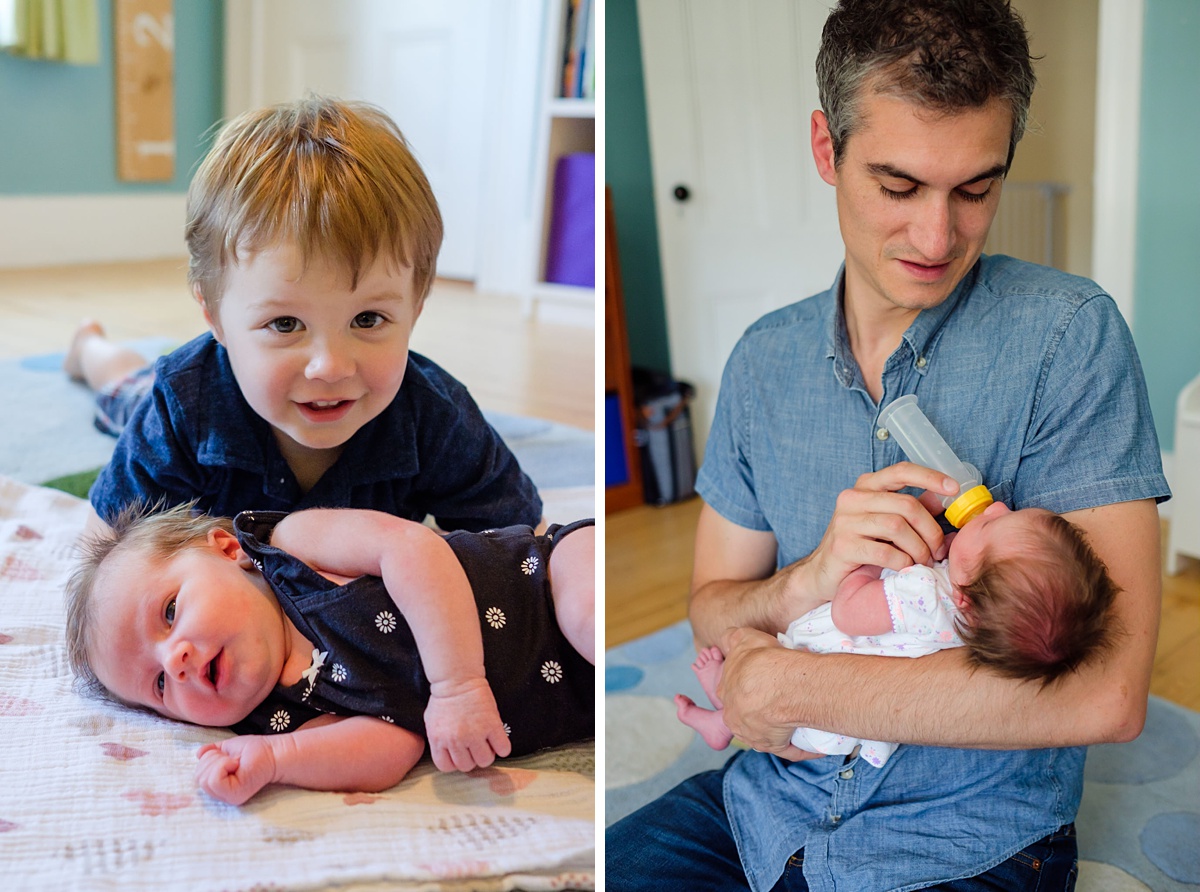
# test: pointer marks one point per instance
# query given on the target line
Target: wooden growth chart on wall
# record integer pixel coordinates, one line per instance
(145, 88)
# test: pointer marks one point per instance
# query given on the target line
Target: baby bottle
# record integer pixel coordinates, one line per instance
(923, 445)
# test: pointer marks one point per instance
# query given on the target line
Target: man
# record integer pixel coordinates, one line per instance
(1031, 375)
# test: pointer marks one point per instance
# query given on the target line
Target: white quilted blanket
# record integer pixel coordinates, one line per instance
(94, 796)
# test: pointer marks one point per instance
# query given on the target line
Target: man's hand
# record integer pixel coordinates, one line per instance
(751, 689)
(463, 725)
(235, 769)
(875, 524)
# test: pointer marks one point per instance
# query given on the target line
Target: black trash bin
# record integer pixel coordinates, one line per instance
(664, 436)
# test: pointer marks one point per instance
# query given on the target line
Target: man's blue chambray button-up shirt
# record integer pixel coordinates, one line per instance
(431, 451)
(1031, 375)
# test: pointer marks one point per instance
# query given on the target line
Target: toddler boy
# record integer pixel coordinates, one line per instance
(313, 236)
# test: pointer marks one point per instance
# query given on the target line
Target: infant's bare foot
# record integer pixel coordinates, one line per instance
(707, 667)
(708, 723)
(73, 363)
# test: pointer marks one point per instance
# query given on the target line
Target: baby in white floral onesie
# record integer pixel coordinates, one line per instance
(1021, 590)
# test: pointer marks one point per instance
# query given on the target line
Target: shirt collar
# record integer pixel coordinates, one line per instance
(234, 435)
(921, 336)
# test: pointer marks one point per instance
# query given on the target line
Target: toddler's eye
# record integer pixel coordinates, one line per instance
(169, 612)
(368, 320)
(160, 683)
(284, 324)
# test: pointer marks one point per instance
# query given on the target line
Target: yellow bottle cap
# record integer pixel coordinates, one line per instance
(968, 505)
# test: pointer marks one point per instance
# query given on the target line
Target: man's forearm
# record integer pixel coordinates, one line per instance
(768, 605)
(936, 700)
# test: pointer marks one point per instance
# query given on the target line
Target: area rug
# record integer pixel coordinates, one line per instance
(48, 432)
(1139, 823)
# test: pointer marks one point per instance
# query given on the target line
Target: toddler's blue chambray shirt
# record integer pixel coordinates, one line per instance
(1031, 375)
(431, 451)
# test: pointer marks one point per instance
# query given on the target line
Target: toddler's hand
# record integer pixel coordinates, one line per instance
(463, 726)
(235, 769)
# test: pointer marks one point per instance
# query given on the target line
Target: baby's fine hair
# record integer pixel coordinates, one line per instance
(151, 529)
(336, 179)
(1042, 612)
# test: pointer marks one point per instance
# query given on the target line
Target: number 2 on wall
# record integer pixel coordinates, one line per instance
(145, 87)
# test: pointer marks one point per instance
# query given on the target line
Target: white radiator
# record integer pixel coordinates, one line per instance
(1027, 222)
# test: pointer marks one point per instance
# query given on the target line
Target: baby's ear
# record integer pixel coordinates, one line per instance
(227, 544)
(209, 318)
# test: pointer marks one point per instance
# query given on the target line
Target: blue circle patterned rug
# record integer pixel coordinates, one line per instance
(1139, 823)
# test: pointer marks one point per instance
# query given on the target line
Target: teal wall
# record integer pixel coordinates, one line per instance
(57, 122)
(1166, 323)
(627, 172)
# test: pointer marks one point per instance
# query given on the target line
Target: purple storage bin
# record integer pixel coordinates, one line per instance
(571, 249)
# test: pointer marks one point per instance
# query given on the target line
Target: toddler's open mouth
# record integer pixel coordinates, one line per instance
(325, 410)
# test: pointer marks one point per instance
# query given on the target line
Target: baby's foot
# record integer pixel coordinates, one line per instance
(708, 723)
(707, 667)
(73, 363)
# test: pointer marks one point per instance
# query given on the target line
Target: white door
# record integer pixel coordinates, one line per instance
(745, 224)
(426, 63)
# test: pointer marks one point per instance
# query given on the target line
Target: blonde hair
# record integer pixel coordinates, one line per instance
(139, 527)
(336, 179)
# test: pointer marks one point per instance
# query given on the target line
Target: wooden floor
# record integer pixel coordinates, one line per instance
(510, 363)
(649, 564)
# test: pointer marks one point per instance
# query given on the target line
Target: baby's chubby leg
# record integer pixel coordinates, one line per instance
(573, 587)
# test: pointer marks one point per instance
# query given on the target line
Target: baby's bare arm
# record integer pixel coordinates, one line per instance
(431, 590)
(860, 605)
(356, 754)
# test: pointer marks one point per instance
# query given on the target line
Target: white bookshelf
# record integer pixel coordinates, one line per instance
(565, 125)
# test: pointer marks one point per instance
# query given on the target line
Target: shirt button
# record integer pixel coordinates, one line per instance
(882, 434)
(922, 362)
(846, 774)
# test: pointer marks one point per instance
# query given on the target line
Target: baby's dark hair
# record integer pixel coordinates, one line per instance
(1043, 610)
(153, 528)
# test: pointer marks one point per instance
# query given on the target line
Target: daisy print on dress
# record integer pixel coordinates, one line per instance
(529, 565)
(338, 672)
(552, 672)
(385, 622)
(495, 617)
(318, 660)
(280, 720)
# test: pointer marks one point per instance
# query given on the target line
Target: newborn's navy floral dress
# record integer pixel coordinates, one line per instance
(365, 659)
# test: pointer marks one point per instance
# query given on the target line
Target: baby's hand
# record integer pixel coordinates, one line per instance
(463, 725)
(235, 769)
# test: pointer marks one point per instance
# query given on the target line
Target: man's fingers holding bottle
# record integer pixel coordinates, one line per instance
(886, 529)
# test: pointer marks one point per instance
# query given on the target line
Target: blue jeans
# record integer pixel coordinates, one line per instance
(683, 840)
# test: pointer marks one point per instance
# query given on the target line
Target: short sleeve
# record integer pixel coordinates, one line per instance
(918, 599)
(726, 477)
(469, 478)
(1092, 439)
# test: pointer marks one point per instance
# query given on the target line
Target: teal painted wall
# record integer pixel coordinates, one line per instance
(627, 172)
(57, 122)
(1166, 323)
